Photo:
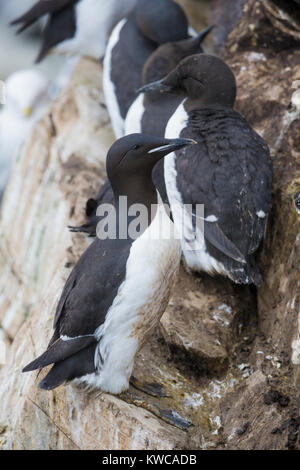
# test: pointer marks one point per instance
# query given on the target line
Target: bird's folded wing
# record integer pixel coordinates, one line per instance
(61, 26)
(216, 237)
(60, 350)
(66, 292)
(258, 232)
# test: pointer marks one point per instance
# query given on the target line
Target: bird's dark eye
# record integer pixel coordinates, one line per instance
(136, 147)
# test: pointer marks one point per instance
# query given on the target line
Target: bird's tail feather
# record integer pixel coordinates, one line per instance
(90, 227)
(244, 274)
(31, 16)
(76, 366)
(59, 351)
(217, 238)
(38, 10)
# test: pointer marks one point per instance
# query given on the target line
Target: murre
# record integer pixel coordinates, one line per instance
(120, 287)
(229, 171)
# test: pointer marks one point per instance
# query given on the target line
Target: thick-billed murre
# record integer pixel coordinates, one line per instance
(229, 171)
(120, 287)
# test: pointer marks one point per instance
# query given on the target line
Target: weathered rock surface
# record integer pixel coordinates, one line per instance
(227, 359)
(204, 318)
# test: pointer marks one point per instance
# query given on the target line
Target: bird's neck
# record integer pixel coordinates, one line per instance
(140, 199)
(136, 190)
(192, 104)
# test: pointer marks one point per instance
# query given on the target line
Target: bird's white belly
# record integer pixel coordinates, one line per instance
(108, 87)
(133, 121)
(142, 298)
(196, 255)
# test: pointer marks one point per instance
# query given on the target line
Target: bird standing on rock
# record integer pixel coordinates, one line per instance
(120, 287)
(131, 42)
(77, 27)
(229, 171)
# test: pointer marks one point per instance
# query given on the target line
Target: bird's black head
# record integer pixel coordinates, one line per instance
(131, 159)
(204, 78)
(167, 56)
(161, 21)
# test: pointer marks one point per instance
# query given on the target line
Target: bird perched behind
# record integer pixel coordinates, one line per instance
(27, 99)
(120, 287)
(131, 42)
(229, 171)
(9, 10)
(78, 27)
(149, 114)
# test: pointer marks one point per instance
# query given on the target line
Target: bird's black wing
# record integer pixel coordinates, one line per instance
(86, 298)
(91, 288)
(127, 63)
(59, 351)
(41, 8)
(230, 172)
(61, 24)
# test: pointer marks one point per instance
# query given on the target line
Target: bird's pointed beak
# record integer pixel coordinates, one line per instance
(27, 111)
(172, 145)
(202, 35)
(159, 85)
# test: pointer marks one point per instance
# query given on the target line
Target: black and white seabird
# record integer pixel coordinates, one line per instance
(131, 42)
(229, 171)
(120, 287)
(149, 114)
(77, 27)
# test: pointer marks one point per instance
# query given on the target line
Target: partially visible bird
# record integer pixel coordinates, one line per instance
(77, 27)
(131, 42)
(297, 202)
(117, 292)
(9, 10)
(150, 112)
(26, 99)
(229, 171)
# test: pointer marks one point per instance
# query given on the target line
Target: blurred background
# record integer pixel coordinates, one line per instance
(18, 52)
